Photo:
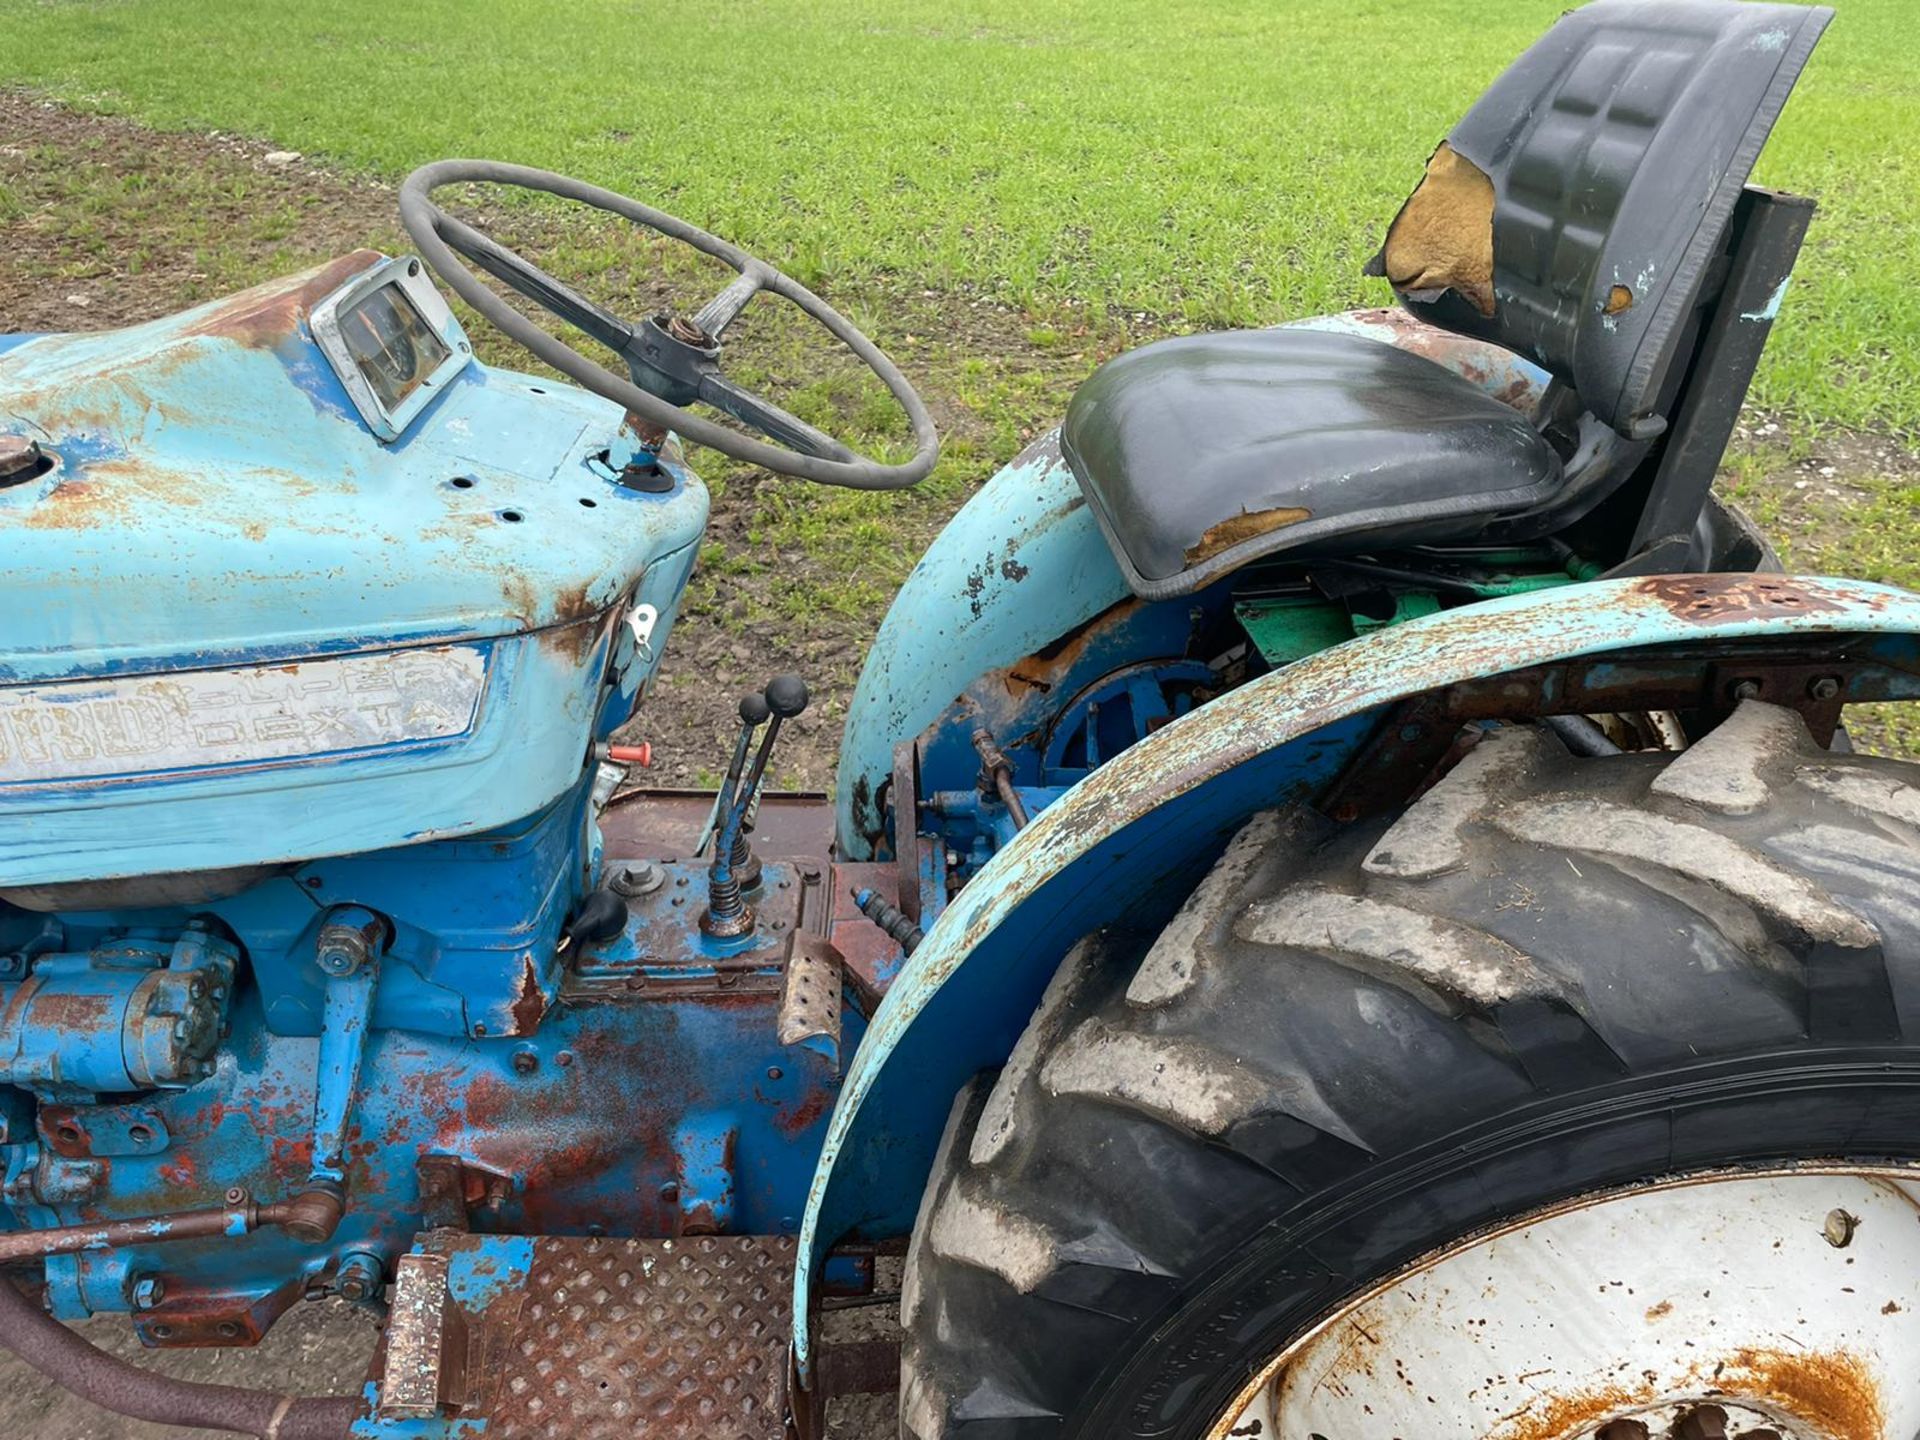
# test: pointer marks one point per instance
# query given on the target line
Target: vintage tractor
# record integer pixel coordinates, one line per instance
(1350, 911)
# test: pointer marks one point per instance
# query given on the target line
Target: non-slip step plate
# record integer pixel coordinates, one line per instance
(589, 1338)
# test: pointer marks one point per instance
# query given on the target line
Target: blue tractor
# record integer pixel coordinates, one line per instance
(1349, 912)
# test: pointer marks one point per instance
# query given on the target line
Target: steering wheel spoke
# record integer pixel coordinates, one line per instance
(671, 363)
(718, 313)
(770, 420)
(523, 277)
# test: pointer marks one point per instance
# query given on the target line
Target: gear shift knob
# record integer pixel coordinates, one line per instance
(753, 710)
(786, 696)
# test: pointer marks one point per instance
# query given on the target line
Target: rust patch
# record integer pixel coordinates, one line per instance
(1442, 239)
(1479, 361)
(531, 1004)
(109, 493)
(1045, 667)
(1834, 1391)
(269, 314)
(1723, 599)
(1618, 298)
(1567, 1415)
(73, 1014)
(1247, 525)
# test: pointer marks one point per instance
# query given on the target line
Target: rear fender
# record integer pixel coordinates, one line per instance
(1127, 843)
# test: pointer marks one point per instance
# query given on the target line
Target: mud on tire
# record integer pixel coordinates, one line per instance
(1547, 977)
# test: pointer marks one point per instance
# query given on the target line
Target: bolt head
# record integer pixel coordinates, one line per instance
(1746, 690)
(349, 939)
(525, 1062)
(1825, 688)
(148, 1291)
(642, 877)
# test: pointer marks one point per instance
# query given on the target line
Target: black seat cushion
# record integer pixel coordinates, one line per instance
(1202, 453)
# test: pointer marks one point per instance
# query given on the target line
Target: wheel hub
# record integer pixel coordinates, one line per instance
(1731, 1307)
(1698, 1422)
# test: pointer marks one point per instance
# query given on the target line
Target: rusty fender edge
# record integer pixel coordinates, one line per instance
(1145, 824)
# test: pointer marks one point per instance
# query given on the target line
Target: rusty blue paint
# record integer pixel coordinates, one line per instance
(1024, 563)
(216, 505)
(1129, 840)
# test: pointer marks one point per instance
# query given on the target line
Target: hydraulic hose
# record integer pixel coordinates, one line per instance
(113, 1384)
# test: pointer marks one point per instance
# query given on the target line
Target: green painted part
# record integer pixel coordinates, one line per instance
(1288, 630)
(1407, 605)
(1497, 585)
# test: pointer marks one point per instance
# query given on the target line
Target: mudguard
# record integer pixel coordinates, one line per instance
(1025, 562)
(1128, 842)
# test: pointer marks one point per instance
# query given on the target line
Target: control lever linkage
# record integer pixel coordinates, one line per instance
(735, 868)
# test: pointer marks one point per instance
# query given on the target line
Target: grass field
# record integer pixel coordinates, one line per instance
(1217, 163)
(1002, 193)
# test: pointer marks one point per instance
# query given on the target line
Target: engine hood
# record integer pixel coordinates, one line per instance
(215, 499)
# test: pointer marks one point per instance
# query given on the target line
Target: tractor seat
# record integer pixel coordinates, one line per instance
(1203, 453)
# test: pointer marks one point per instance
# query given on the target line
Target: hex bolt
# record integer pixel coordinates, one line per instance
(1746, 689)
(1825, 688)
(148, 1291)
(525, 1062)
(640, 878)
(360, 1277)
(349, 938)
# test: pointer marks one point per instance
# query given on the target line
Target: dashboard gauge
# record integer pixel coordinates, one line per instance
(391, 345)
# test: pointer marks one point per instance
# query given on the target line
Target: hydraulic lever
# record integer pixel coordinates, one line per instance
(734, 868)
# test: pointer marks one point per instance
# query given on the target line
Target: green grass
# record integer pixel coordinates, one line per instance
(1002, 198)
(1188, 164)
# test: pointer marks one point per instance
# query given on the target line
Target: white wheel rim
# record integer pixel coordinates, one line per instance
(1782, 1306)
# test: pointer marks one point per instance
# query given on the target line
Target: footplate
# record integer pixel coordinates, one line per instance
(510, 1336)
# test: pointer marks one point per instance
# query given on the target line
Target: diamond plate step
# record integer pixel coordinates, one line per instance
(589, 1339)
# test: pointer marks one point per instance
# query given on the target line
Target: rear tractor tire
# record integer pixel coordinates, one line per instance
(1580, 1100)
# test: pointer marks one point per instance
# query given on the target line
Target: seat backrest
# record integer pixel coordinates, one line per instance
(1576, 214)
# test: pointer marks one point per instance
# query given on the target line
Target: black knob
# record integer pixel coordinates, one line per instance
(753, 709)
(787, 695)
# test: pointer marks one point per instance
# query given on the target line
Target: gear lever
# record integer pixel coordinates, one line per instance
(727, 915)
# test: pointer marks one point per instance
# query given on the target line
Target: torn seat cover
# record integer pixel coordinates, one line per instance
(1575, 214)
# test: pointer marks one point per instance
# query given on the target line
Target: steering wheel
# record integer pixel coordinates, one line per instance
(671, 361)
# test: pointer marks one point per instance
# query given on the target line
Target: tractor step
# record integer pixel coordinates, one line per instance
(543, 1336)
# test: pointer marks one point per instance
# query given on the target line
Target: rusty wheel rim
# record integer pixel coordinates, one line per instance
(1774, 1305)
